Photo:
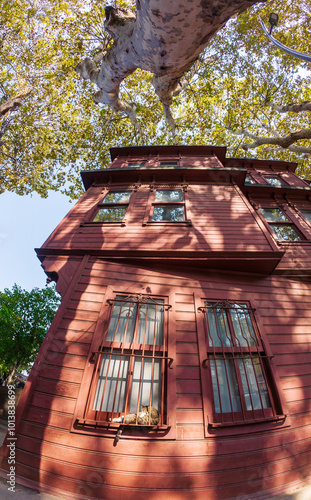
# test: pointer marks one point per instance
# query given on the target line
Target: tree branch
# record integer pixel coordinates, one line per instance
(294, 108)
(14, 103)
(164, 39)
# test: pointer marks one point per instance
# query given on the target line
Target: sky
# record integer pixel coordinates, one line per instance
(25, 223)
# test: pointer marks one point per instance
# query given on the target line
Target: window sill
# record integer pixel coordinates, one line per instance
(130, 431)
(248, 426)
(167, 222)
(114, 223)
(276, 418)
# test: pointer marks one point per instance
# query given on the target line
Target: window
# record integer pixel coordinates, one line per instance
(249, 181)
(169, 164)
(280, 224)
(131, 363)
(274, 180)
(238, 365)
(306, 214)
(133, 164)
(113, 207)
(168, 205)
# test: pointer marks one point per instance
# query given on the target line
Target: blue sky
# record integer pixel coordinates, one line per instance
(25, 223)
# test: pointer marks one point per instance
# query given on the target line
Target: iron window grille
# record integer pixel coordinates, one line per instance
(113, 207)
(168, 206)
(130, 365)
(239, 372)
(280, 224)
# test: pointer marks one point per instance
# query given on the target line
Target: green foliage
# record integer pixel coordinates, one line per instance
(24, 320)
(59, 131)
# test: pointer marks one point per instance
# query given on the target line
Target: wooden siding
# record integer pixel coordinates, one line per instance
(217, 467)
(221, 221)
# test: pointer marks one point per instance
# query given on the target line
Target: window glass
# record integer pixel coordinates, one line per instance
(225, 384)
(306, 214)
(274, 214)
(112, 382)
(111, 214)
(117, 197)
(169, 195)
(254, 386)
(243, 329)
(249, 180)
(133, 164)
(275, 181)
(168, 213)
(285, 232)
(168, 164)
(149, 372)
(218, 328)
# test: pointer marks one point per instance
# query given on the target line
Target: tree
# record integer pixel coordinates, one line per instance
(52, 129)
(24, 320)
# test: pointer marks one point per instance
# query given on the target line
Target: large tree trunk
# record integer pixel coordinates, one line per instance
(164, 38)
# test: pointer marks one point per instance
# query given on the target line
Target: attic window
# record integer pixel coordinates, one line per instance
(275, 181)
(169, 164)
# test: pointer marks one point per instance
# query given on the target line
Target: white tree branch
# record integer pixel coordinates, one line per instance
(164, 38)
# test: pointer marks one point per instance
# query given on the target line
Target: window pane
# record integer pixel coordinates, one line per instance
(146, 378)
(122, 322)
(150, 324)
(243, 328)
(274, 214)
(306, 214)
(285, 233)
(249, 180)
(168, 164)
(113, 369)
(253, 383)
(112, 214)
(217, 327)
(275, 181)
(225, 383)
(135, 164)
(117, 197)
(168, 195)
(169, 213)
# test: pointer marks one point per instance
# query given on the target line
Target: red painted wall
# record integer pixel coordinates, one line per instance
(190, 459)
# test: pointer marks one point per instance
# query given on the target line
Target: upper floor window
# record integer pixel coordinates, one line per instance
(168, 205)
(306, 214)
(168, 164)
(135, 164)
(280, 224)
(249, 181)
(113, 207)
(128, 379)
(274, 180)
(238, 364)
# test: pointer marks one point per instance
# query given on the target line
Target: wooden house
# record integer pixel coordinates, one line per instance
(178, 365)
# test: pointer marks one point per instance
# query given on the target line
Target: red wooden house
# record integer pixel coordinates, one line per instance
(185, 283)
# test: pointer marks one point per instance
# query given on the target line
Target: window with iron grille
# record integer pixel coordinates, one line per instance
(131, 363)
(113, 207)
(238, 365)
(280, 224)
